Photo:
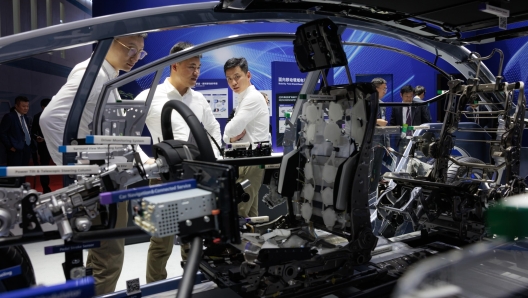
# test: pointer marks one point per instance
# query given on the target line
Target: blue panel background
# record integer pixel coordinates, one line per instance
(282, 72)
(260, 55)
(515, 56)
(362, 60)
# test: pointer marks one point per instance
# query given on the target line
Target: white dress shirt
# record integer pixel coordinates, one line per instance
(194, 100)
(54, 116)
(251, 114)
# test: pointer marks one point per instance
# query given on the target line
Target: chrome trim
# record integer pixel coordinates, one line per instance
(145, 20)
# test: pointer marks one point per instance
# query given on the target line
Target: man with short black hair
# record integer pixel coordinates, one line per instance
(419, 92)
(411, 116)
(14, 134)
(123, 54)
(381, 86)
(178, 86)
(250, 124)
(378, 141)
(43, 153)
(473, 115)
(107, 260)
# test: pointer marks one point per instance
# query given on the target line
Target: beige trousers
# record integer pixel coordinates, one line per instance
(160, 249)
(107, 260)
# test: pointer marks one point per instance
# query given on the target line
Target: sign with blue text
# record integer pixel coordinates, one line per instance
(287, 81)
(217, 95)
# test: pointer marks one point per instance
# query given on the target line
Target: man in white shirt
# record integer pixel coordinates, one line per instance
(107, 260)
(250, 124)
(53, 119)
(177, 86)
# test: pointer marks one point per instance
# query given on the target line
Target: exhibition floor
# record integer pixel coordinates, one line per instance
(48, 268)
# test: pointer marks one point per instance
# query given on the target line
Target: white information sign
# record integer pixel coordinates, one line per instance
(218, 100)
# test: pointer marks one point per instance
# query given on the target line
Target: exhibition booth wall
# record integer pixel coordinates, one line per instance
(365, 64)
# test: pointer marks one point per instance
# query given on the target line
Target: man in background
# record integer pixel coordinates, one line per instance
(473, 115)
(379, 141)
(107, 260)
(265, 98)
(14, 134)
(43, 153)
(408, 115)
(419, 93)
(249, 124)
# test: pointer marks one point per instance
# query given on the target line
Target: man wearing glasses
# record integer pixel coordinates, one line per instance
(122, 56)
(107, 260)
(178, 86)
(412, 116)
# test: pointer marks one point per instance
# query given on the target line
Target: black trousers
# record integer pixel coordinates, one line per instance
(19, 158)
(376, 164)
(44, 160)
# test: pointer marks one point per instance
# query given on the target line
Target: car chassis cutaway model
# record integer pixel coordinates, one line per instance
(325, 243)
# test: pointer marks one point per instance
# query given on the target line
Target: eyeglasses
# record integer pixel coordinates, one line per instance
(132, 52)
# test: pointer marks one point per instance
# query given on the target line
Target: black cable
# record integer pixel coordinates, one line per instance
(216, 144)
(191, 267)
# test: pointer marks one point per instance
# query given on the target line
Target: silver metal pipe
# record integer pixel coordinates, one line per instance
(482, 117)
(483, 112)
(477, 141)
(475, 165)
(373, 45)
(483, 104)
(476, 130)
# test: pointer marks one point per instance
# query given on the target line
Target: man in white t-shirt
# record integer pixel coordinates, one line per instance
(107, 260)
(177, 86)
